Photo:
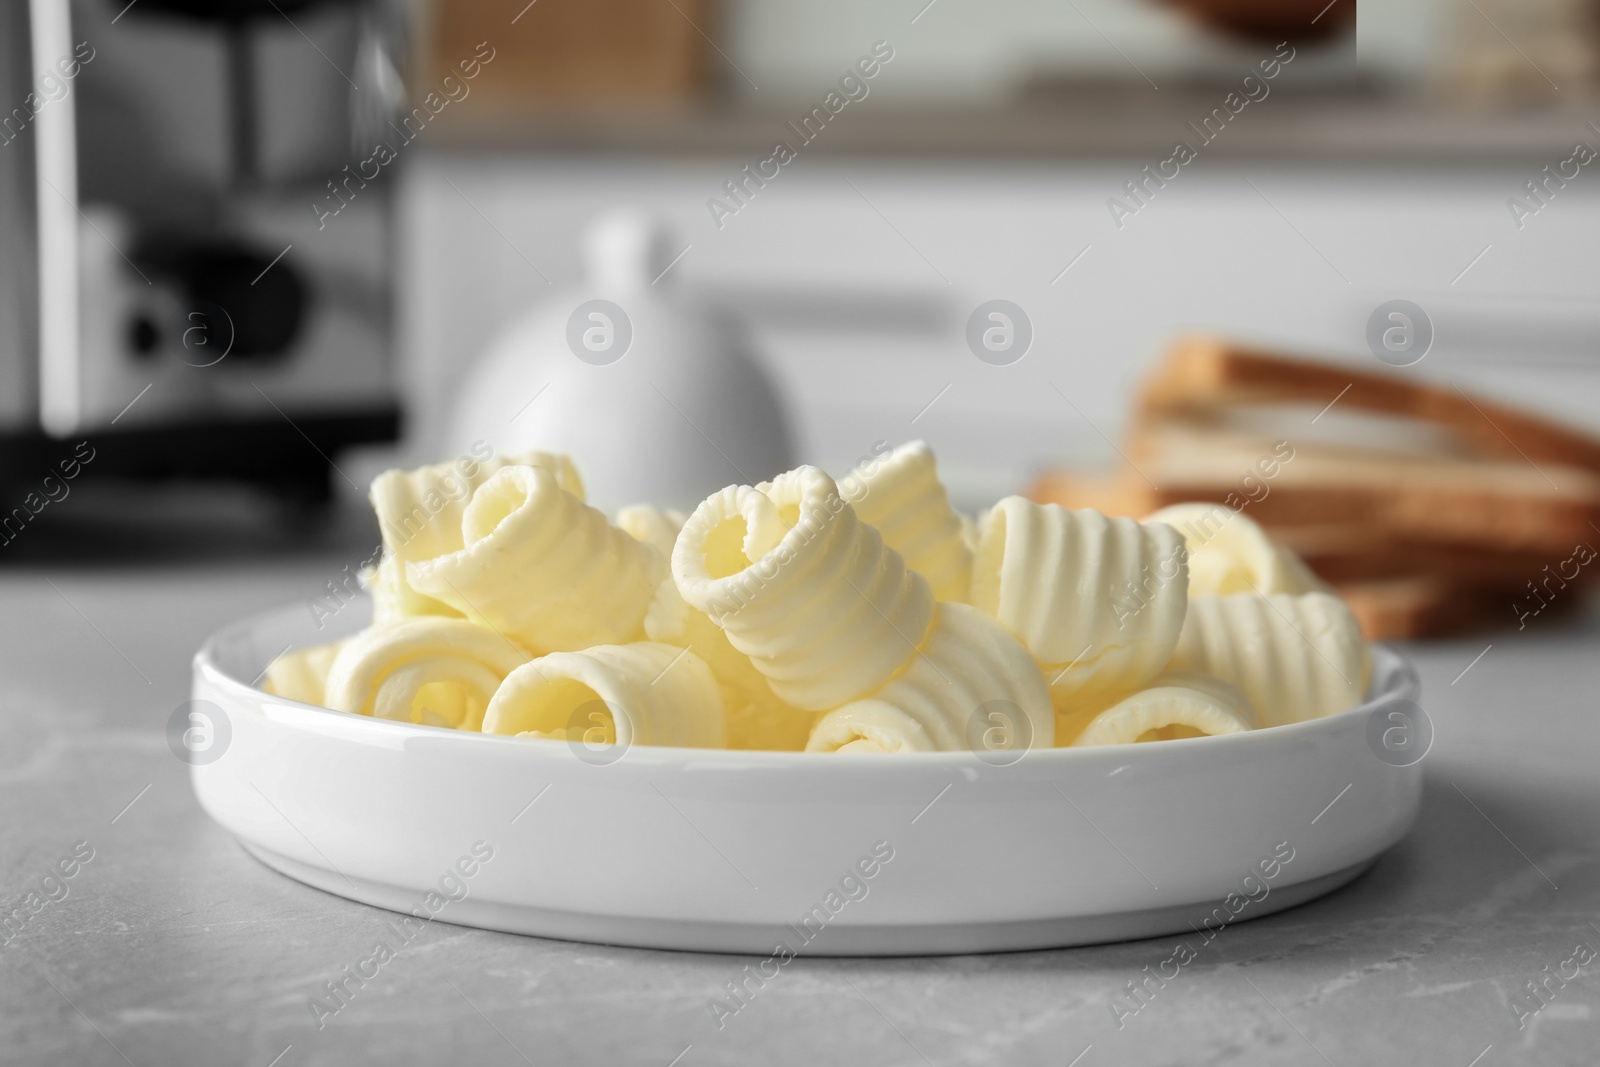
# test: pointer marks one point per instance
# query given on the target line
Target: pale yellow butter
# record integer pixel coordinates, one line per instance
(645, 694)
(426, 669)
(303, 673)
(1175, 704)
(419, 515)
(542, 567)
(902, 496)
(1295, 657)
(1098, 601)
(972, 685)
(825, 611)
(1230, 553)
(656, 527)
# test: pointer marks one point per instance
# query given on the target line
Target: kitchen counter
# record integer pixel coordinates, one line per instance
(174, 946)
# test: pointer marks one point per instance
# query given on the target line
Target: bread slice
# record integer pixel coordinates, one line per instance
(1430, 511)
(1204, 373)
(1400, 609)
(1349, 552)
(1497, 504)
(1405, 517)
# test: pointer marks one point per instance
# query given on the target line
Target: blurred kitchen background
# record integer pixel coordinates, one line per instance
(210, 181)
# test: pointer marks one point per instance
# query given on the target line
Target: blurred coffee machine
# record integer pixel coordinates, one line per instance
(174, 284)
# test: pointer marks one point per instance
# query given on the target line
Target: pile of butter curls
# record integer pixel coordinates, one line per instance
(859, 616)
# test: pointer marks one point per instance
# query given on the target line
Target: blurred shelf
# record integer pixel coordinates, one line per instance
(1093, 125)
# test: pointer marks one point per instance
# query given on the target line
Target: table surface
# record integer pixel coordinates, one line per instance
(174, 946)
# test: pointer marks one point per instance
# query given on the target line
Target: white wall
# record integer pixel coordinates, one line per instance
(1208, 252)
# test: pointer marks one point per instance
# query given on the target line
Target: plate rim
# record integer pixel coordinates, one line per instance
(1386, 661)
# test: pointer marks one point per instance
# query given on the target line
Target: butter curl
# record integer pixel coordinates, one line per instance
(803, 587)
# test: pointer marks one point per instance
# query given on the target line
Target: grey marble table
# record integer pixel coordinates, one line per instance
(171, 945)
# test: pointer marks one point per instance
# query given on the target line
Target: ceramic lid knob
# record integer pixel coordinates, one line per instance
(626, 250)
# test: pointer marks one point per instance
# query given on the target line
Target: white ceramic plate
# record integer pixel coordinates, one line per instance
(732, 851)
